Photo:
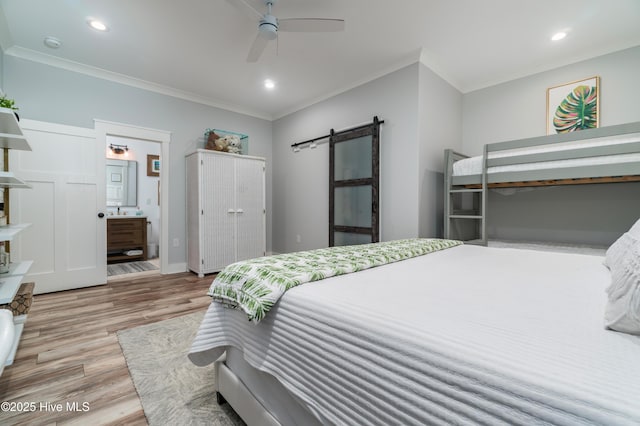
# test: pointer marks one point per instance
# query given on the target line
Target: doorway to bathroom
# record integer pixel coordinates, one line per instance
(136, 193)
(133, 206)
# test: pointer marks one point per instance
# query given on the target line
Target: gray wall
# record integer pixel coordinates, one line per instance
(516, 110)
(56, 95)
(300, 180)
(440, 127)
(1, 69)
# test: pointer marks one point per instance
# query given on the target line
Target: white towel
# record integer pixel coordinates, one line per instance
(133, 252)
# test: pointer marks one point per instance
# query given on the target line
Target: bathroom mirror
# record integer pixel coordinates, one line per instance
(122, 183)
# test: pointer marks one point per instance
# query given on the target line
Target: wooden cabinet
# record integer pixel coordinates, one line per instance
(126, 239)
(225, 210)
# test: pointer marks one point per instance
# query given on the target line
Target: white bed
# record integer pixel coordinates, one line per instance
(513, 337)
(473, 165)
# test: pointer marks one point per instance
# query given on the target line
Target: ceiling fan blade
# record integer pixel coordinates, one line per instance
(304, 25)
(247, 8)
(257, 48)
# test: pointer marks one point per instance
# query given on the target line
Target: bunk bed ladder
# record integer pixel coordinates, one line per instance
(476, 216)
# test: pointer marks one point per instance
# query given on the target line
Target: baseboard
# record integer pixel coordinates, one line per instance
(176, 268)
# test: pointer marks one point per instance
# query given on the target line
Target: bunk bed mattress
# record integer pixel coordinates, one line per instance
(473, 165)
(423, 341)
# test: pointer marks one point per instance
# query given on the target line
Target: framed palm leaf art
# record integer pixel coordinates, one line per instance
(573, 106)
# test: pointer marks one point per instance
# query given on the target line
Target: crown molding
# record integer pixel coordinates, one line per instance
(34, 56)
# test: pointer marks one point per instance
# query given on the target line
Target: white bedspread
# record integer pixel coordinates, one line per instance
(469, 335)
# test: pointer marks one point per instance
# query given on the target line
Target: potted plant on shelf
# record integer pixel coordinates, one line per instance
(9, 103)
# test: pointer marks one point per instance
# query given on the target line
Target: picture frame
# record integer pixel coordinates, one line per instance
(573, 106)
(153, 165)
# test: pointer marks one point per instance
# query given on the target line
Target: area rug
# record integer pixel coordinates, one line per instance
(172, 390)
(130, 268)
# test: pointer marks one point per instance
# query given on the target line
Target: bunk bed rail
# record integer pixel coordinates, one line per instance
(608, 154)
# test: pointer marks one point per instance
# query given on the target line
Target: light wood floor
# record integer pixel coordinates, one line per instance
(69, 352)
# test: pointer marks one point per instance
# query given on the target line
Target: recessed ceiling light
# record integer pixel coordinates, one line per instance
(269, 84)
(559, 36)
(97, 25)
(52, 42)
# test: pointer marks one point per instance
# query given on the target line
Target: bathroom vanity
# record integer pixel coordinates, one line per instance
(126, 238)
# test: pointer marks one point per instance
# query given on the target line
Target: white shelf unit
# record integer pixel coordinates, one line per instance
(16, 341)
(9, 231)
(11, 137)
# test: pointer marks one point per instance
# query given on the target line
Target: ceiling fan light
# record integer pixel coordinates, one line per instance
(268, 32)
(269, 27)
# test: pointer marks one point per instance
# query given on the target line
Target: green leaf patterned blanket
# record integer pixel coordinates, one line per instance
(255, 285)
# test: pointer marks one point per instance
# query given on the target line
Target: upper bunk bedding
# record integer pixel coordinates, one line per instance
(513, 337)
(603, 154)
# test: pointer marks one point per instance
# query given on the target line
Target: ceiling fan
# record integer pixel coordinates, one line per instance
(269, 26)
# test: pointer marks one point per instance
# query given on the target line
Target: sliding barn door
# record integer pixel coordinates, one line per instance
(353, 186)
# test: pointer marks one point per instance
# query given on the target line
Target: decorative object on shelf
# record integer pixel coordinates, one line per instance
(573, 106)
(226, 141)
(153, 165)
(4, 259)
(9, 103)
(119, 149)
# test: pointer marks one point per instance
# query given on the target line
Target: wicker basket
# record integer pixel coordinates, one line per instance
(22, 301)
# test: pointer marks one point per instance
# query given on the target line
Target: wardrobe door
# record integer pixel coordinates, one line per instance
(218, 212)
(250, 208)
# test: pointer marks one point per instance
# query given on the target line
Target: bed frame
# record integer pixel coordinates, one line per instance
(239, 391)
(466, 196)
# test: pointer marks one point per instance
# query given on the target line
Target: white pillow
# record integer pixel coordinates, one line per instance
(622, 312)
(617, 251)
(634, 231)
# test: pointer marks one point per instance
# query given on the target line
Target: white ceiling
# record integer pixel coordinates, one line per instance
(196, 49)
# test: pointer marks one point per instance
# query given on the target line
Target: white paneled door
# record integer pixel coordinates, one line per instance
(66, 238)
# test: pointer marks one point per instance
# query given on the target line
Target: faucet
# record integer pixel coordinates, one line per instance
(118, 210)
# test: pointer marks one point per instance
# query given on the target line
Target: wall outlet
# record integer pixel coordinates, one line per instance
(298, 238)
(176, 242)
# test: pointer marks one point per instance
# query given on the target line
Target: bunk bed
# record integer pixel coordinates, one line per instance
(602, 155)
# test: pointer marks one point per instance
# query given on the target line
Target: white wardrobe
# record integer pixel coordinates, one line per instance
(225, 209)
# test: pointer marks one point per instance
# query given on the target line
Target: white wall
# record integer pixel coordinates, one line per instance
(440, 127)
(301, 180)
(56, 95)
(516, 110)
